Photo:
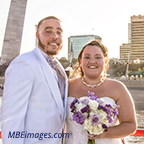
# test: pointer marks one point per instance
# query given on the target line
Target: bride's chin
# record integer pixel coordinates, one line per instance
(92, 77)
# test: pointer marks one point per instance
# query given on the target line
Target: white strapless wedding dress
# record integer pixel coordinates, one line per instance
(78, 134)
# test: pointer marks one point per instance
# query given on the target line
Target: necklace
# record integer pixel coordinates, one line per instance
(92, 86)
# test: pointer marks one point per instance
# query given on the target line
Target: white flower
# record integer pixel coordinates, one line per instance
(97, 129)
(79, 106)
(93, 129)
(102, 114)
(93, 104)
(103, 117)
(87, 124)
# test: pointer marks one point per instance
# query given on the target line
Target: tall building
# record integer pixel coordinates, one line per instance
(137, 38)
(125, 52)
(134, 49)
(13, 33)
(76, 43)
(129, 33)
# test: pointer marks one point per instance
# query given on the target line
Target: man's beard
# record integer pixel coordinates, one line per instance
(47, 51)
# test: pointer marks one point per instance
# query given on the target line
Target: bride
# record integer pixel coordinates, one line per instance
(93, 63)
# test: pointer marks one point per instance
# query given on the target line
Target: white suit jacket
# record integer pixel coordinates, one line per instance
(32, 101)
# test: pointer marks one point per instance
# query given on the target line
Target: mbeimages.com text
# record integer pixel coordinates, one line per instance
(40, 136)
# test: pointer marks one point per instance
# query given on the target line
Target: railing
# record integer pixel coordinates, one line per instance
(138, 132)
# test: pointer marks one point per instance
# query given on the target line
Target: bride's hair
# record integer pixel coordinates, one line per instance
(78, 70)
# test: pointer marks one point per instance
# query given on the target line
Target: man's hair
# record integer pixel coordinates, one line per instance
(46, 18)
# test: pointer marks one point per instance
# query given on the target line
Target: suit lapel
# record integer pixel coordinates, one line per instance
(66, 95)
(66, 87)
(50, 79)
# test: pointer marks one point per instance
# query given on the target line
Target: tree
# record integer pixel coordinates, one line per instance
(64, 62)
(63, 59)
(139, 69)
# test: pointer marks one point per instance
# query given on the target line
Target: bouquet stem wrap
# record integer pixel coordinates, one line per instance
(91, 141)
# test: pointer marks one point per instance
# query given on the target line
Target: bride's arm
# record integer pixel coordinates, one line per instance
(127, 118)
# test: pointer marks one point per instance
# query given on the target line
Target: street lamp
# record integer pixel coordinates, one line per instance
(71, 51)
(127, 65)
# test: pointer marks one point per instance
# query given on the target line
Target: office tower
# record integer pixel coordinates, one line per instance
(125, 52)
(13, 33)
(129, 32)
(76, 43)
(137, 38)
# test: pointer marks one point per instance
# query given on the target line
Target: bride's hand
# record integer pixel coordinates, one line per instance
(91, 136)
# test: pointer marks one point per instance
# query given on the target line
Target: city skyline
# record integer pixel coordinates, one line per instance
(134, 49)
(107, 19)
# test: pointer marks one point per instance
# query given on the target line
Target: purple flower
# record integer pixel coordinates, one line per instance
(115, 111)
(108, 111)
(109, 119)
(90, 93)
(105, 127)
(73, 103)
(105, 108)
(86, 109)
(85, 101)
(83, 110)
(79, 118)
(93, 97)
(88, 115)
(73, 110)
(100, 101)
(112, 111)
(109, 106)
(95, 119)
(102, 107)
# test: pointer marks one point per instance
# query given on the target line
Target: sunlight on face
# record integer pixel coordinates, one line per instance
(92, 61)
(50, 36)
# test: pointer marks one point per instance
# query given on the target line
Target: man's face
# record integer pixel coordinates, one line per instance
(49, 36)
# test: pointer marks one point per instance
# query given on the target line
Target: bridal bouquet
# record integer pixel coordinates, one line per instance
(93, 113)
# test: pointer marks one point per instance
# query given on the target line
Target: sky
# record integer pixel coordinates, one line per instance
(106, 18)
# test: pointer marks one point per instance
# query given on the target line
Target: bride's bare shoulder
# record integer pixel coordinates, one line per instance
(115, 83)
(73, 83)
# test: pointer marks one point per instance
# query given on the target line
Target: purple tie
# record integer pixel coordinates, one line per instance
(61, 79)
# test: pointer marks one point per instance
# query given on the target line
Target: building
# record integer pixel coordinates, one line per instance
(129, 33)
(134, 49)
(14, 29)
(137, 38)
(76, 43)
(125, 49)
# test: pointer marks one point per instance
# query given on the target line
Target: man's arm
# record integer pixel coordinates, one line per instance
(17, 88)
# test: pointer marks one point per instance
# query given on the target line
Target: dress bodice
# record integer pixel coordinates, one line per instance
(78, 135)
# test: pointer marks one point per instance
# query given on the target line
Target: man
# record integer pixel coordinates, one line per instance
(35, 91)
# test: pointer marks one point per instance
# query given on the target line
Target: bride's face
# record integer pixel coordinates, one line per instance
(93, 61)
